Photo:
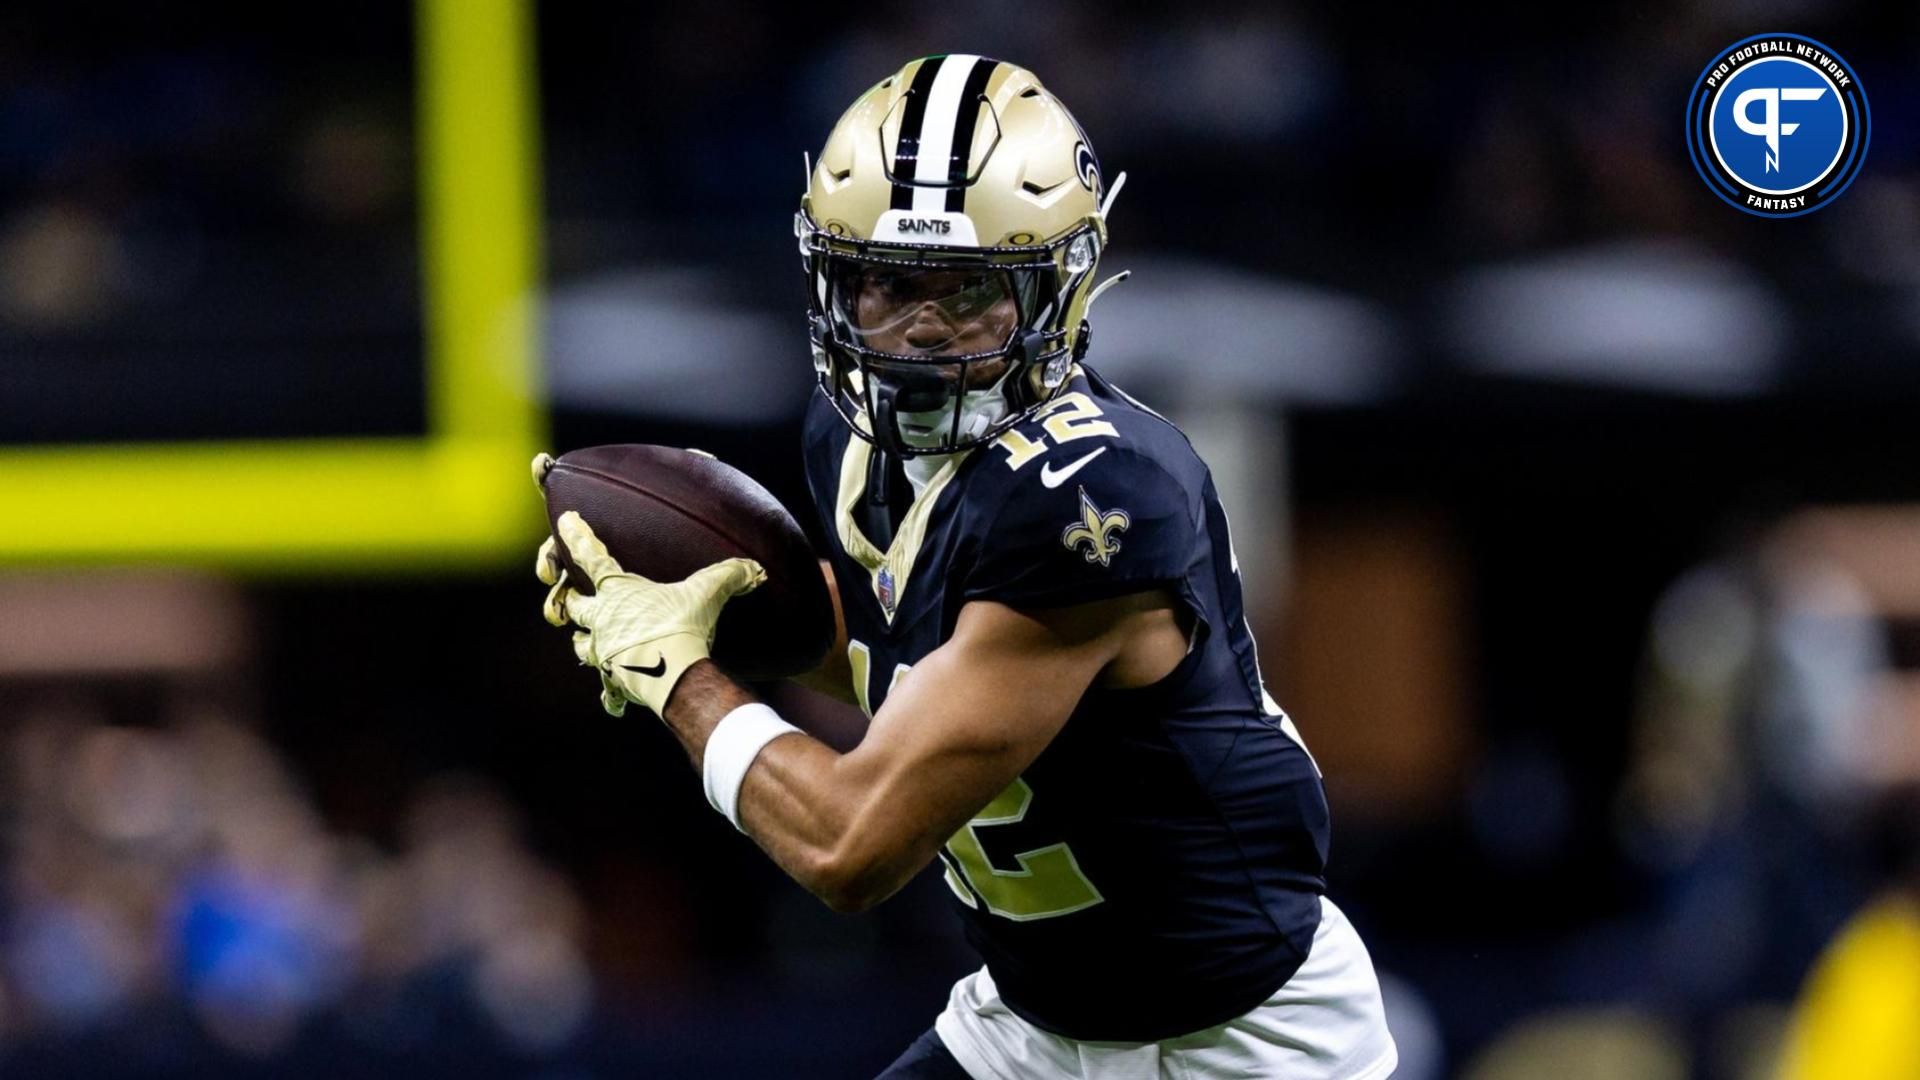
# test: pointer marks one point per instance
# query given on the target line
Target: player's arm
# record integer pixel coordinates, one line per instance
(953, 734)
(959, 727)
(834, 676)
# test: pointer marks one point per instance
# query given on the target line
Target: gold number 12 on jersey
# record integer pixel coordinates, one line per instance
(1067, 417)
(1049, 881)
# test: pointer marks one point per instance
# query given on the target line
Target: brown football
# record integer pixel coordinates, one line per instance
(665, 513)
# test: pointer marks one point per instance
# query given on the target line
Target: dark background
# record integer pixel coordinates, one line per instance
(1540, 453)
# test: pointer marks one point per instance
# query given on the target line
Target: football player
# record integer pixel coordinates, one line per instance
(1041, 612)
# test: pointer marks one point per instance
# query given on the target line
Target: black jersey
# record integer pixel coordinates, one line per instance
(1157, 870)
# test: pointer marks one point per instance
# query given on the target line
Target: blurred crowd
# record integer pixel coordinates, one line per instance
(171, 879)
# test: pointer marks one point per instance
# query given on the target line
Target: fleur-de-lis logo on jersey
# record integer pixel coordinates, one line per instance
(1095, 531)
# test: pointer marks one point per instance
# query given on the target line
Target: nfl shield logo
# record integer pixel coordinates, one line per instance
(883, 587)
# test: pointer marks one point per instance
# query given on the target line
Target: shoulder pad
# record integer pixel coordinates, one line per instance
(1085, 524)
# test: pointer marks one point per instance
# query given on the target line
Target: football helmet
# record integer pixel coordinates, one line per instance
(950, 231)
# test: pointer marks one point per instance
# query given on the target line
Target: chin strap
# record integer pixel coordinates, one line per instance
(877, 479)
(886, 436)
(1029, 345)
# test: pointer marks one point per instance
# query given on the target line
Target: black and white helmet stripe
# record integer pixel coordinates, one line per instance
(937, 123)
(906, 153)
(966, 119)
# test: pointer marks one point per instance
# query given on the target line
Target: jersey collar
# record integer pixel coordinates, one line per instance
(889, 570)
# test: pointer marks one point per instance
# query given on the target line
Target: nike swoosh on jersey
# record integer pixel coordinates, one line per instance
(1055, 479)
(658, 669)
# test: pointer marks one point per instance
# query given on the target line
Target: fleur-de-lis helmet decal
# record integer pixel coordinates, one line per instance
(1096, 531)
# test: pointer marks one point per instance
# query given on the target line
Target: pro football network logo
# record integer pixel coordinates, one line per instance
(1777, 125)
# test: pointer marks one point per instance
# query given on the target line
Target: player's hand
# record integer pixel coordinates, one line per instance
(640, 635)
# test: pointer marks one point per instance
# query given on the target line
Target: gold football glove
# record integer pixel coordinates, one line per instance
(640, 635)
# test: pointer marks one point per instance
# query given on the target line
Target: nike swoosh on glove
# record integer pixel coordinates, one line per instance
(640, 635)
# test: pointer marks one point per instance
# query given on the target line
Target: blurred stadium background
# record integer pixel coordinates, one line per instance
(1580, 515)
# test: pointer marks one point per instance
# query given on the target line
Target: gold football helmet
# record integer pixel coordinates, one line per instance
(950, 229)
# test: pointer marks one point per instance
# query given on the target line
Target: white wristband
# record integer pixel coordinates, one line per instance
(736, 740)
